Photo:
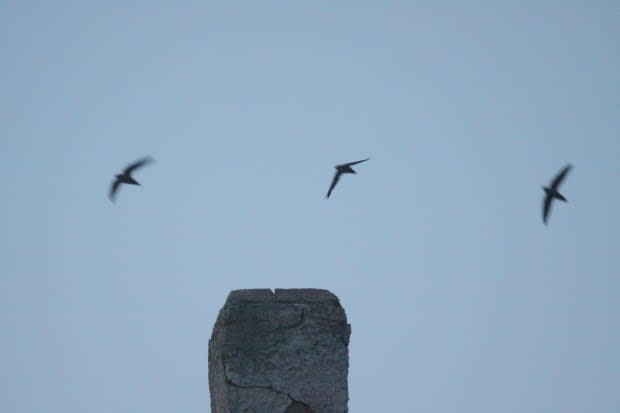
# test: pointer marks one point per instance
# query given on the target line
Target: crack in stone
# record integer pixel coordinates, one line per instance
(302, 318)
(256, 386)
(327, 320)
(251, 386)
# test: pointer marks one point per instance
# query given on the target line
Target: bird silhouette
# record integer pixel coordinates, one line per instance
(551, 192)
(126, 178)
(345, 168)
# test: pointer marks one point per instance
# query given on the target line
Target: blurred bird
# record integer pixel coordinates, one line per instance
(552, 193)
(342, 169)
(126, 178)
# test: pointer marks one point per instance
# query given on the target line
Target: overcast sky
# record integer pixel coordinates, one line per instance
(460, 299)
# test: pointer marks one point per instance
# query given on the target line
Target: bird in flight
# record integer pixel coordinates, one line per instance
(551, 192)
(342, 169)
(126, 178)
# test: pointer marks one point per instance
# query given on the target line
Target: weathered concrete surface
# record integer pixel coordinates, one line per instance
(282, 352)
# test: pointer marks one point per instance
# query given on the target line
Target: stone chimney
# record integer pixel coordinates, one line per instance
(282, 352)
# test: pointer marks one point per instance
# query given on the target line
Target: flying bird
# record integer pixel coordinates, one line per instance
(126, 178)
(551, 192)
(342, 169)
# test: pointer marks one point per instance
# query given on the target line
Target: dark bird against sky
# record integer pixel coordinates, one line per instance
(551, 192)
(342, 169)
(126, 178)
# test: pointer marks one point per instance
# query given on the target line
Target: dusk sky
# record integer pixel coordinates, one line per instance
(459, 297)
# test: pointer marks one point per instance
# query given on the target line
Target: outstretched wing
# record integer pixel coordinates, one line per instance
(355, 163)
(560, 176)
(333, 185)
(114, 189)
(546, 207)
(137, 164)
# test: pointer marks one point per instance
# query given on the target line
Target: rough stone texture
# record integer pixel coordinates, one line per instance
(282, 352)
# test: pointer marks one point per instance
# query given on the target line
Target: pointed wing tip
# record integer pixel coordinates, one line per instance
(353, 163)
(113, 190)
(138, 164)
(145, 161)
(561, 175)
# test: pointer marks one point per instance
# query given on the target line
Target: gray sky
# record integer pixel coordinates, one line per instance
(460, 299)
